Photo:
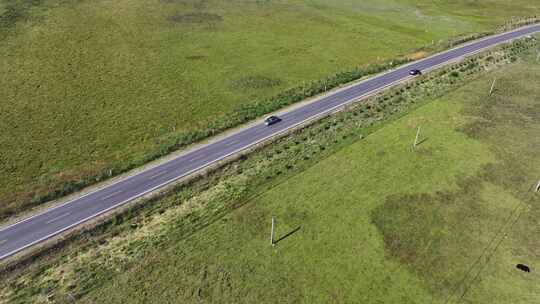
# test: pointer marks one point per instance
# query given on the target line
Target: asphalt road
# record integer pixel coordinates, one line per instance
(51, 222)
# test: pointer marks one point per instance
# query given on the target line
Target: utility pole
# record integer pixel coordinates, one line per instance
(492, 87)
(416, 138)
(272, 232)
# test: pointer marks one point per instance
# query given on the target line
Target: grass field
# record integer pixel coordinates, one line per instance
(376, 222)
(90, 85)
(194, 220)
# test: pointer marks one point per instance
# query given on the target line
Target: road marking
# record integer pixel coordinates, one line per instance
(112, 194)
(262, 131)
(195, 157)
(232, 143)
(157, 174)
(57, 218)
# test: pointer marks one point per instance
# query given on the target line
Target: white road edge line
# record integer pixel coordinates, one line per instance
(262, 139)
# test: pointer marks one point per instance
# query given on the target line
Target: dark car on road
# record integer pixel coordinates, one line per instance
(270, 120)
(415, 72)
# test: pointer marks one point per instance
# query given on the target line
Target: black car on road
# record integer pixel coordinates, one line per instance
(415, 72)
(270, 120)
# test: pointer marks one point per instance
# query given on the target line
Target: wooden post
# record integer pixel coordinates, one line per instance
(272, 233)
(416, 138)
(492, 87)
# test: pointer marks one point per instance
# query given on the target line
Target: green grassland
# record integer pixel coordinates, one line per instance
(374, 222)
(378, 222)
(91, 85)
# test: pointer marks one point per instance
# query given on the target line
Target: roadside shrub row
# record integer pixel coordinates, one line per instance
(518, 22)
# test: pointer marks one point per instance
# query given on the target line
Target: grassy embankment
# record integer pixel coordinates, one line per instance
(378, 221)
(89, 86)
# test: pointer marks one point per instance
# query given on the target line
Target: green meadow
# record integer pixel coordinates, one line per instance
(90, 85)
(362, 216)
(378, 221)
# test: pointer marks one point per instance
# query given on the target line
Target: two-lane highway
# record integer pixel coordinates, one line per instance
(51, 222)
